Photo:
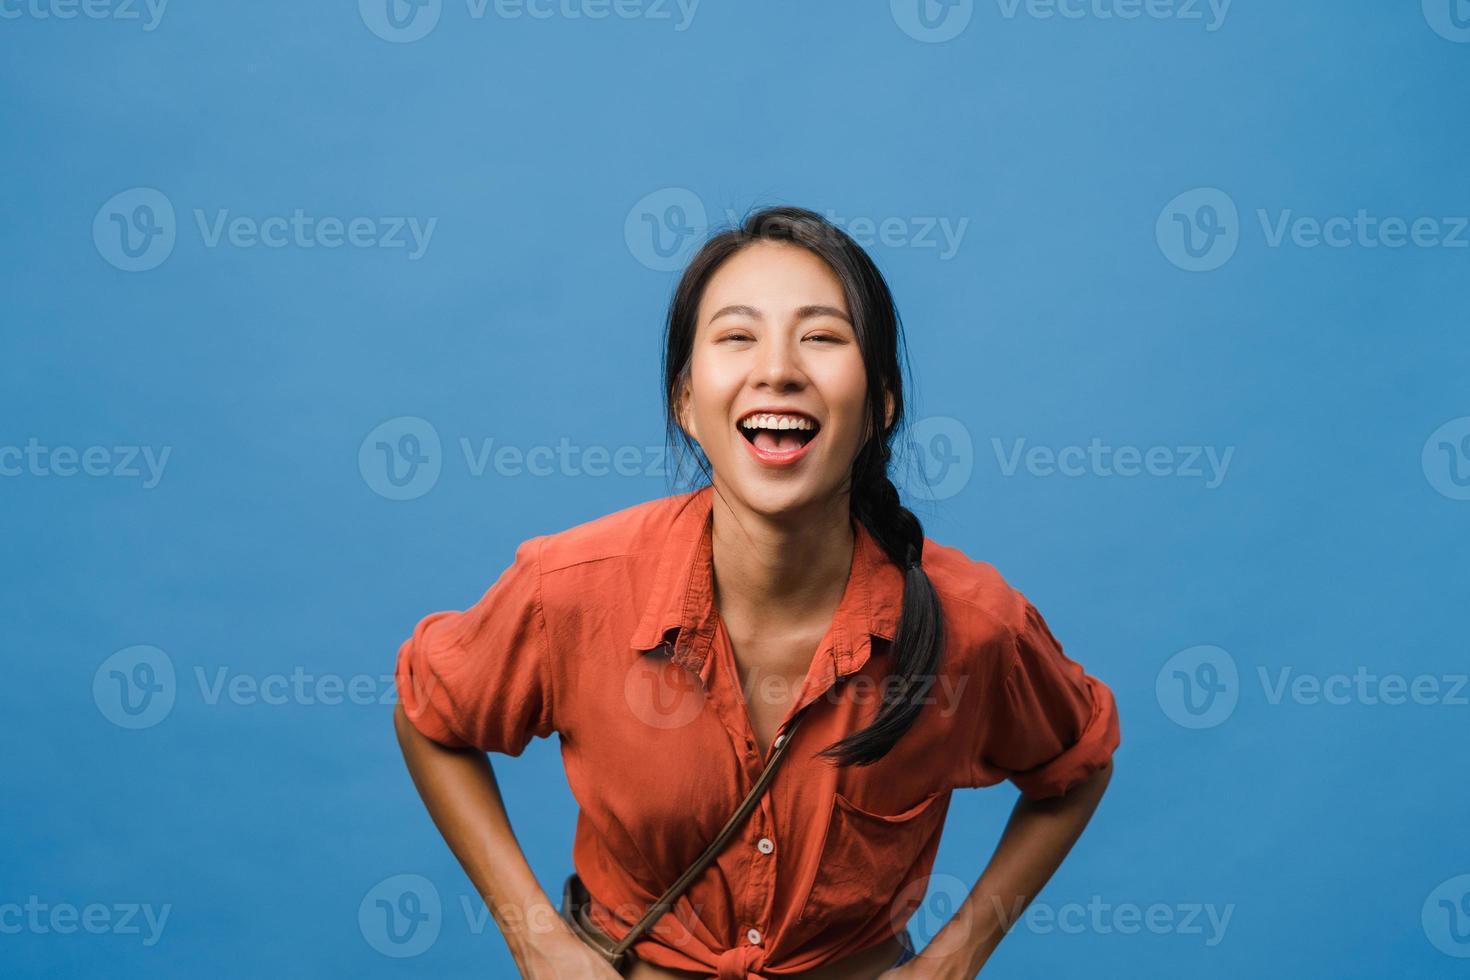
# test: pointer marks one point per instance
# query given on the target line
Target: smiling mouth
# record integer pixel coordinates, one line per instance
(767, 435)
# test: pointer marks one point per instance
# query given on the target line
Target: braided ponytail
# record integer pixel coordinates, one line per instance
(918, 645)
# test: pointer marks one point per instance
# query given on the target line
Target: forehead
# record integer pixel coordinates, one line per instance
(773, 277)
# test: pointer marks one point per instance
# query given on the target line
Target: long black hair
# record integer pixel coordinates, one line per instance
(918, 644)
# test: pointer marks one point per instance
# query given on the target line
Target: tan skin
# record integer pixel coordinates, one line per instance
(772, 329)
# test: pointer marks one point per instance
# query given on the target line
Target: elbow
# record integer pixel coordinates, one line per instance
(1093, 786)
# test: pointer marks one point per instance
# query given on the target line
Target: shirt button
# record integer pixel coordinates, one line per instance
(766, 845)
(780, 740)
(754, 936)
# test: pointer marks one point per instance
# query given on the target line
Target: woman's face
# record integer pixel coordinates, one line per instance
(774, 334)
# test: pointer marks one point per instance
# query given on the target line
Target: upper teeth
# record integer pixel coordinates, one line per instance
(767, 421)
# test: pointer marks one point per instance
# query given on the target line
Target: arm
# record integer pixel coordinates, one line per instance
(1036, 839)
(459, 790)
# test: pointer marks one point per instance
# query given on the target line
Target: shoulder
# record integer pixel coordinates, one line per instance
(630, 532)
(983, 612)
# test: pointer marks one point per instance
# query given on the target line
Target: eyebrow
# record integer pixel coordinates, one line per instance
(802, 313)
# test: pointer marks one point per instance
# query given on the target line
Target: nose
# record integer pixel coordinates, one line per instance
(778, 366)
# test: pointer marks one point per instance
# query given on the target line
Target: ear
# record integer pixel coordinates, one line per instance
(684, 412)
(887, 416)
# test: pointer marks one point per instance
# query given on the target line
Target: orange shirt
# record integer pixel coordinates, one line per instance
(607, 634)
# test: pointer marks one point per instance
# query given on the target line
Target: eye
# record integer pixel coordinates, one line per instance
(829, 338)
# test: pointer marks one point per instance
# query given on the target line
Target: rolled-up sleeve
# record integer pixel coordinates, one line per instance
(481, 677)
(1050, 725)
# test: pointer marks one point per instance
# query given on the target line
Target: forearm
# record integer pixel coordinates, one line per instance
(1037, 837)
(459, 790)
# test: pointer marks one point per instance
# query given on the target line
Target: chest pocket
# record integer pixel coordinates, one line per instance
(866, 857)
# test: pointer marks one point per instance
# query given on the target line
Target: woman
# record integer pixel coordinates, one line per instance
(673, 644)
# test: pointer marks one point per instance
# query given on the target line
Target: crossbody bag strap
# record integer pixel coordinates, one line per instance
(657, 910)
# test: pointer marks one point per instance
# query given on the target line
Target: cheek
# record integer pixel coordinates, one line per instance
(711, 392)
(845, 391)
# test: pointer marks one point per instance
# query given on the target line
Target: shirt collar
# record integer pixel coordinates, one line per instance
(683, 595)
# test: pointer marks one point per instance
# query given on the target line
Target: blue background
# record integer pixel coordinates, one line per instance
(1333, 543)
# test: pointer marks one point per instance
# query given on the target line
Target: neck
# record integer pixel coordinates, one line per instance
(790, 569)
